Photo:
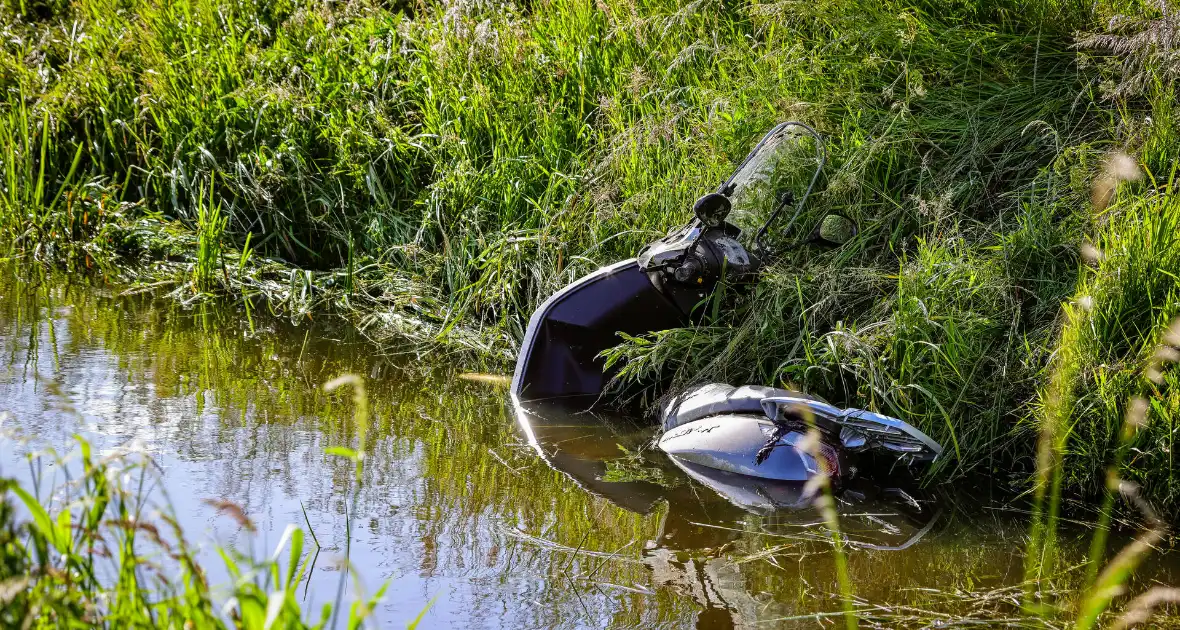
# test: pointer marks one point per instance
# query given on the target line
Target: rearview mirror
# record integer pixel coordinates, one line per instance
(834, 229)
(712, 209)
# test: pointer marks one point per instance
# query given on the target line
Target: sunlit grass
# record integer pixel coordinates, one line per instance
(100, 550)
(434, 171)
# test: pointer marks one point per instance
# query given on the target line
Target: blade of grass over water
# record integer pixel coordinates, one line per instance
(72, 585)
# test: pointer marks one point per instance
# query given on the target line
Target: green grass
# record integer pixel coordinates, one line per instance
(103, 553)
(435, 170)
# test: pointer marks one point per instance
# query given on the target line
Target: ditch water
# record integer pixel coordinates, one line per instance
(566, 524)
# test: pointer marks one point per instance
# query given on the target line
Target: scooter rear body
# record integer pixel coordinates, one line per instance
(761, 432)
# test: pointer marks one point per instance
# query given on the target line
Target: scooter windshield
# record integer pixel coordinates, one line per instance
(784, 161)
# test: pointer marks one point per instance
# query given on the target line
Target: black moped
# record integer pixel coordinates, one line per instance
(754, 431)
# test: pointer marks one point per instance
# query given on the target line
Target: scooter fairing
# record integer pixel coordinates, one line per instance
(559, 357)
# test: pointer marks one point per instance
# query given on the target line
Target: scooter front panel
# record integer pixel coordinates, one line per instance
(560, 353)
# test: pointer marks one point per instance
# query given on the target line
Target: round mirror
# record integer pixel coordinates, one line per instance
(835, 229)
(712, 209)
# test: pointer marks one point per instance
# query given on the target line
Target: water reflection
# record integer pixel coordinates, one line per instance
(574, 523)
(708, 514)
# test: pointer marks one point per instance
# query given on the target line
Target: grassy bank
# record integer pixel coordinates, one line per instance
(434, 170)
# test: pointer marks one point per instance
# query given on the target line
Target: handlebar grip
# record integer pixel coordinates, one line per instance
(687, 270)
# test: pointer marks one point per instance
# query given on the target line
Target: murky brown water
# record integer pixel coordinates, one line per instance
(565, 524)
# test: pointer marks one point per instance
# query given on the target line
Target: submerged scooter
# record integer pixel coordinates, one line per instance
(752, 431)
(761, 432)
(583, 444)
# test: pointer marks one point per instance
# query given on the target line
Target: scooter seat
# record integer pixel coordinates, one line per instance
(713, 399)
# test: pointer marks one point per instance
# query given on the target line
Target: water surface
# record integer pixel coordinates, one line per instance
(573, 523)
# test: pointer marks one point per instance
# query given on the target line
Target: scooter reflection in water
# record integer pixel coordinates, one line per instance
(709, 511)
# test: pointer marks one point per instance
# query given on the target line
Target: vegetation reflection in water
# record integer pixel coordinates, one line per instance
(591, 530)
